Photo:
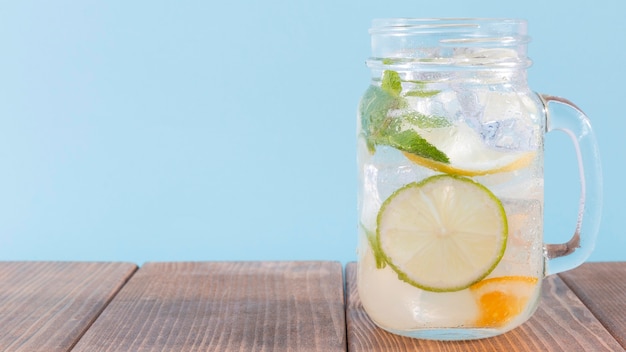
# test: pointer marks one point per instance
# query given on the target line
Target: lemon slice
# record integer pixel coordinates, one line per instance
(501, 299)
(442, 234)
(468, 154)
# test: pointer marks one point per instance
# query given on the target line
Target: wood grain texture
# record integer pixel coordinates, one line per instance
(561, 323)
(602, 288)
(47, 306)
(225, 306)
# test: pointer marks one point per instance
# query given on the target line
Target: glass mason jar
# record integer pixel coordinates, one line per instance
(451, 186)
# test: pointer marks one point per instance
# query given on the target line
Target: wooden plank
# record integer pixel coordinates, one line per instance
(561, 323)
(602, 288)
(47, 306)
(225, 306)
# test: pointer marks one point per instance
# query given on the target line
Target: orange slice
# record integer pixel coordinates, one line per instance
(517, 162)
(468, 154)
(501, 299)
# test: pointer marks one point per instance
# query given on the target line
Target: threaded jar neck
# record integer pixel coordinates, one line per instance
(442, 44)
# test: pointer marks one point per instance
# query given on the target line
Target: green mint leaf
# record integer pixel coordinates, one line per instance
(391, 83)
(411, 142)
(426, 122)
(420, 90)
(422, 93)
(374, 110)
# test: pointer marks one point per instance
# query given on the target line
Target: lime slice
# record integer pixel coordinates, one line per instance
(468, 154)
(371, 239)
(501, 299)
(442, 234)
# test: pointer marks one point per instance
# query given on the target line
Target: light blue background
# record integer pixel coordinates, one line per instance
(205, 130)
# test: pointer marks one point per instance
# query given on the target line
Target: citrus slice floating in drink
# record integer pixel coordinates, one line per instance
(468, 154)
(501, 299)
(442, 234)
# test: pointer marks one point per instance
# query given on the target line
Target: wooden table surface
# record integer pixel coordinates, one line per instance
(267, 306)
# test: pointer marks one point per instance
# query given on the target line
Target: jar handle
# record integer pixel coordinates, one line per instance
(563, 115)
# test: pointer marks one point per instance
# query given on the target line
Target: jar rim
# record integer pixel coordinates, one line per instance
(449, 42)
(415, 25)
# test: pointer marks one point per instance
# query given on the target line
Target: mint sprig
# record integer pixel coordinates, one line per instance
(385, 116)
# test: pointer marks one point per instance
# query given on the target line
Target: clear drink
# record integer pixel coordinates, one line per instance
(493, 142)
